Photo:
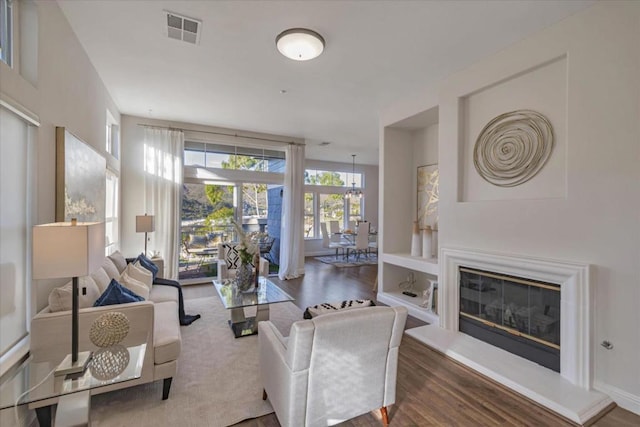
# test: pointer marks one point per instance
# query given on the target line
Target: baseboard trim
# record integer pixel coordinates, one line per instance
(623, 399)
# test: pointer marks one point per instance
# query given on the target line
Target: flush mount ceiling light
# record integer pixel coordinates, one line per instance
(300, 44)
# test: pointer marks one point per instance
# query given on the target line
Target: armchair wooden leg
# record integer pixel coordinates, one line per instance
(264, 394)
(385, 416)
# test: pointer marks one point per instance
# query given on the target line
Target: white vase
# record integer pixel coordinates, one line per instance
(427, 250)
(416, 243)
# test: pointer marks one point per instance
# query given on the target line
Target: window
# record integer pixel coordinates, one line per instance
(111, 213)
(212, 155)
(324, 199)
(223, 182)
(6, 31)
(113, 136)
(340, 179)
(309, 215)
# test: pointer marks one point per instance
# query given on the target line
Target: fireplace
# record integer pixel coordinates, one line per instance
(518, 315)
(568, 318)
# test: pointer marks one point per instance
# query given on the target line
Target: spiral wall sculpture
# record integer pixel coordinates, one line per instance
(513, 147)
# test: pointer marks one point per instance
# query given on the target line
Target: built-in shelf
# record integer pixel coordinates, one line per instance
(425, 265)
(412, 304)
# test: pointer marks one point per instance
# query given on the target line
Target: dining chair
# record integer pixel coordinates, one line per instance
(361, 244)
(331, 242)
(334, 226)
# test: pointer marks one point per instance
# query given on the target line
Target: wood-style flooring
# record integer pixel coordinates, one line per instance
(432, 390)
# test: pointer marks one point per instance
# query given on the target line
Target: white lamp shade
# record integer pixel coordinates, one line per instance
(64, 250)
(300, 44)
(145, 223)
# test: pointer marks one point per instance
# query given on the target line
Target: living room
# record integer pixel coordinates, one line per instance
(585, 212)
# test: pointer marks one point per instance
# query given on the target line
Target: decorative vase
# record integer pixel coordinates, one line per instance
(244, 276)
(415, 240)
(426, 242)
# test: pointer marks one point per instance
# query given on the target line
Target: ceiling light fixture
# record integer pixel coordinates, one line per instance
(353, 193)
(300, 44)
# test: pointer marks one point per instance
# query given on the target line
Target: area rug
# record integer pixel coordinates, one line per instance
(351, 262)
(217, 383)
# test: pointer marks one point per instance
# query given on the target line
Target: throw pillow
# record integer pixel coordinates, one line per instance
(101, 278)
(135, 285)
(119, 260)
(110, 268)
(116, 294)
(148, 264)
(60, 299)
(231, 256)
(138, 272)
(319, 309)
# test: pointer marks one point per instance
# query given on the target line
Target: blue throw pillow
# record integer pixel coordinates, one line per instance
(116, 294)
(148, 264)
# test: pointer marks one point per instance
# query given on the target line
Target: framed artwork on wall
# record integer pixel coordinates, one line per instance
(428, 179)
(80, 179)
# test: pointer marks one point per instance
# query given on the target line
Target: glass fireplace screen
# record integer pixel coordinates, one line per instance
(524, 308)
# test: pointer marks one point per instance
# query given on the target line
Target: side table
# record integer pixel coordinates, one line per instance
(34, 383)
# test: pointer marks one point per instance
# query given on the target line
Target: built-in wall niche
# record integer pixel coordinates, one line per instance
(542, 89)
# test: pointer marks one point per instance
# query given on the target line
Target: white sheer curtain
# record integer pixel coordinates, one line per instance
(163, 153)
(291, 236)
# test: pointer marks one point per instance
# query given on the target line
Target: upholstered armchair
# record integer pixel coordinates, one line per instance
(229, 261)
(333, 367)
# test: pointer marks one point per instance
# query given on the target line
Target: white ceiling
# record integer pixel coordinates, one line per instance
(376, 53)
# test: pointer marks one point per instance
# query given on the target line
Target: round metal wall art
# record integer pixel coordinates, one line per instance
(513, 147)
(109, 329)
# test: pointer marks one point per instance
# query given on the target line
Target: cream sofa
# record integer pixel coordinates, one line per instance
(156, 318)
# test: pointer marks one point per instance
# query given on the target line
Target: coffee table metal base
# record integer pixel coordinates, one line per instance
(243, 326)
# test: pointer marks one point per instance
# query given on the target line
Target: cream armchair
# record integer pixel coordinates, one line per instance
(229, 260)
(332, 368)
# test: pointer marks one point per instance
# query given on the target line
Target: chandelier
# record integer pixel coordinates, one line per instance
(353, 193)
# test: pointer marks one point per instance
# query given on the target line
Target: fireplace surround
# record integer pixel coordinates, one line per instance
(568, 392)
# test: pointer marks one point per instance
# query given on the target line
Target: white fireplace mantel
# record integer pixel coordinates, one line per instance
(569, 393)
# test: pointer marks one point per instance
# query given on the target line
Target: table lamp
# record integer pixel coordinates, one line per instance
(145, 224)
(69, 249)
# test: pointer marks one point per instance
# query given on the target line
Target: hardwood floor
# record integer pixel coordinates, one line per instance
(432, 390)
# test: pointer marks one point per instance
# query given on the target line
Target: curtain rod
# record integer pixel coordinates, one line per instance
(235, 135)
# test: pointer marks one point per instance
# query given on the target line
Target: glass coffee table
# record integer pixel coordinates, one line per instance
(34, 383)
(236, 300)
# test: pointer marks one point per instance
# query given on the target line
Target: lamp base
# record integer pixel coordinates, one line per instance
(66, 367)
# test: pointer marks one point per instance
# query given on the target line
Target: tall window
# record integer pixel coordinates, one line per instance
(223, 182)
(111, 224)
(6, 31)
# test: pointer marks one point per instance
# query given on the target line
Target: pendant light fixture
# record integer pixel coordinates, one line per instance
(300, 44)
(353, 193)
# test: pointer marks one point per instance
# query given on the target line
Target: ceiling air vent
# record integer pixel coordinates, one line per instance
(182, 28)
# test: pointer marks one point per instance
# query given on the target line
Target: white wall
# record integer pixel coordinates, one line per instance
(593, 216)
(69, 93)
